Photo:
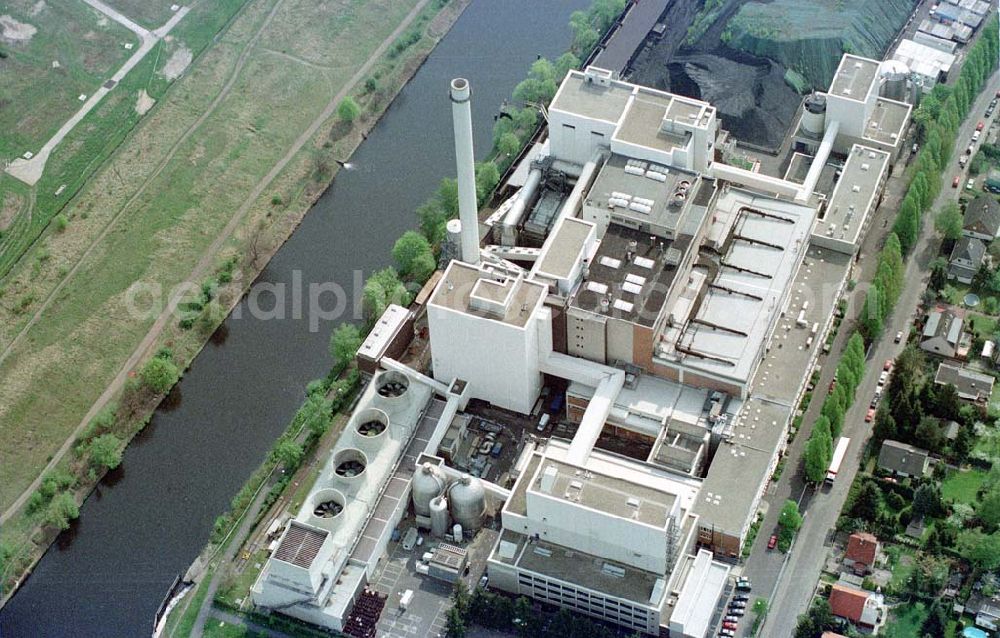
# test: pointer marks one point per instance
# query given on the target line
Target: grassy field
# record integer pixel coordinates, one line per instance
(37, 97)
(905, 621)
(961, 487)
(164, 197)
(98, 135)
(148, 13)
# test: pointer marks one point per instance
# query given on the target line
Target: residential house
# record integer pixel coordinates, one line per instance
(950, 429)
(966, 258)
(902, 459)
(971, 385)
(942, 332)
(862, 548)
(982, 219)
(862, 608)
(986, 609)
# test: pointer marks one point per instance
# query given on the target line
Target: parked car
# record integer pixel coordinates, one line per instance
(883, 377)
(887, 366)
(736, 612)
(955, 181)
(736, 605)
(727, 633)
(772, 542)
(870, 415)
(729, 625)
(899, 337)
(963, 160)
(741, 598)
(732, 618)
(976, 135)
(969, 185)
(484, 581)
(874, 401)
(980, 126)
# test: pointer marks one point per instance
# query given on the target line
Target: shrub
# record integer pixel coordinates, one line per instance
(159, 374)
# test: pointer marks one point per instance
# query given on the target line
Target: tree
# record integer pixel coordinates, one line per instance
(870, 319)
(487, 178)
(989, 509)
(525, 621)
(564, 64)
(454, 626)
(314, 414)
(508, 145)
(289, 454)
(928, 434)
(344, 344)
(948, 221)
(348, 110)
(105, 451)
(939, 273)
(408, 249)
(982, 550)
(981, 280)
(927, 501)
(789, 522)
(159, 374)
(381, 289)
(815, 460)
(867, 502)
(61, 510)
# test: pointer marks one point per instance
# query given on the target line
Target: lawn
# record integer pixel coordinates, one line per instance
(63, 50)
(961, 487)
(148, 13)
(905, 621)
(981, 326)
(162, 221)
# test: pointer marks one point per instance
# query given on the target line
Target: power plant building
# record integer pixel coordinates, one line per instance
(682, 301)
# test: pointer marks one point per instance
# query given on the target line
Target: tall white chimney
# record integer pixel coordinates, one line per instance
(461, 113)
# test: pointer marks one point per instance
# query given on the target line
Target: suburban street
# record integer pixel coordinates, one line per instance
(789, 581)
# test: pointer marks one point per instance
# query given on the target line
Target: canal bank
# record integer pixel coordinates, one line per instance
(147, 520)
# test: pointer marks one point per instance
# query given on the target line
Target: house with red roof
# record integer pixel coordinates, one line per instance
(862, 548)
(865, 609)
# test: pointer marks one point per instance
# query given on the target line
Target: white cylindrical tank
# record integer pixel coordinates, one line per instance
(468, 208)
(439, 516)
(428, 483)
(894, 74)
(456, 533)
(814, 114)
(468, 502)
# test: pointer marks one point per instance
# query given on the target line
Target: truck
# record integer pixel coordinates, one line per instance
(497, 449)
(405, 599)
(839, 453)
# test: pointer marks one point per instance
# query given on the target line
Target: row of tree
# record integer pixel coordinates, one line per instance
(938, 118)
(884, 290)
(819, 449)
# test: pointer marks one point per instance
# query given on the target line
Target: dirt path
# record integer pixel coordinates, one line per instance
(209, 257)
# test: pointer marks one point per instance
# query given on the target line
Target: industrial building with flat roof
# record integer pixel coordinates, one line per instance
(682, 302)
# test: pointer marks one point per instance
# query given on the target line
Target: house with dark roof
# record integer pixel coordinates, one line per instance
(971, 385)
(966, 258)
(862, 548)
(866, 610)
(982, 219)
(942, 332)
(902, 459)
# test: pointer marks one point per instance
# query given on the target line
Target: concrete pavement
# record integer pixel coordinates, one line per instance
(821, 509)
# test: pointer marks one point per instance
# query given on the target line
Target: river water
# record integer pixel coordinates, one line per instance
(148, 520)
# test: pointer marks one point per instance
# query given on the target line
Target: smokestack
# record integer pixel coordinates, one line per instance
(461, 113)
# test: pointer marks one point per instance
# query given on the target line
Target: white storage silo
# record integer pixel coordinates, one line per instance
(468, 502)
(439, 516)
(428, 483)
(814, 114)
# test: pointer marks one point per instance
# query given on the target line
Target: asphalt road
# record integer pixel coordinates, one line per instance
(797, 579)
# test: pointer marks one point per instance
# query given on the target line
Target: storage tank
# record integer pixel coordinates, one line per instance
(439, 516)
(468, 502)
(894, 74)
(456, 533)
(428, 483)
(814, 114)
(451, 248)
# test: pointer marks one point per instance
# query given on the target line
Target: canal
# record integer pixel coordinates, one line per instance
(148, 520)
